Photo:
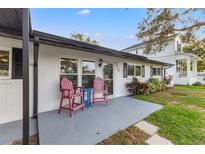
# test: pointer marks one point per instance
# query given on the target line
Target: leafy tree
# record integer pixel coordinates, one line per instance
(83, 38)
(198, 48)
(159, 25)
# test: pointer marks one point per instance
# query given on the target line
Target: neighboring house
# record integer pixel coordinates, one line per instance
(62, 57)
(184, 69)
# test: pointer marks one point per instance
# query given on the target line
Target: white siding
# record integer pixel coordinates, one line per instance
(49, 95)
(11, 90)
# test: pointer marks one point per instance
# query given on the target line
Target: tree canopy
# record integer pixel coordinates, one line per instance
(198, 48)
(83, 38)
(159, 25)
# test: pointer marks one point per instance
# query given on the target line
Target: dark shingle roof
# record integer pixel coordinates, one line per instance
(51, 39)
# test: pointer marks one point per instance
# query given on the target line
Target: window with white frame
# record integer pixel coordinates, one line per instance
(138, 70)
(4, 64)
(134, 70)
(69, 69)
(131, 70)
(156, 71)
(88, 73)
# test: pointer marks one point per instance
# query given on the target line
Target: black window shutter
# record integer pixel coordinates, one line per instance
(161, 71)
(151, 71)
(125, 70)
(17, 63)
(143, 71)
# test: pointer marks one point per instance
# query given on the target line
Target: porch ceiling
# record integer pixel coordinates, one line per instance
(94, 124)
(11, 22)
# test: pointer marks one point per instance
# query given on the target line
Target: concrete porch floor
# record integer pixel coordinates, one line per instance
(13, 131)
(94, 124)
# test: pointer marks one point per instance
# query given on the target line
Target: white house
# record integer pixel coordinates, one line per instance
(56, 55)
(184, 69)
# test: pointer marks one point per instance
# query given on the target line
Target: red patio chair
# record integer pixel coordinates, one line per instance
(67, 92)
(100, 87)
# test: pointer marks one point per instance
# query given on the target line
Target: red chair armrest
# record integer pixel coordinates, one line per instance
(63, 90)
(80, 88)
(106, 87)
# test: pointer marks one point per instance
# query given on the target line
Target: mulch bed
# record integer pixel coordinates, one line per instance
(33, 141)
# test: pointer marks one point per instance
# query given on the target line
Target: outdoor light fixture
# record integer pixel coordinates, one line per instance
(100, 62)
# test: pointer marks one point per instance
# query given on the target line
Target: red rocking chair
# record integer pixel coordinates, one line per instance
(67, 92)
(100, 87)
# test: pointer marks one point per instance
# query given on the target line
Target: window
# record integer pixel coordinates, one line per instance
(4, 64)
(156, 71)
(69, 69)
(191, 66)
(131, 70)
(134, 70)
(138, 71)
(88, 73)
(17, 66)
(178, 47)
(136, 51)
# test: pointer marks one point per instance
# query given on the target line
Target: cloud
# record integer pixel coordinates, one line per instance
(84, 12)
(98, 34)
(131, 37)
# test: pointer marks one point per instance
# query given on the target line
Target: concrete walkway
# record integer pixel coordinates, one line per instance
(94, 124)
(151, 130)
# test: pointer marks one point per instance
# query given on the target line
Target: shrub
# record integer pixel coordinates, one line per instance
(156, 85)
(168, 80)
(198, 84)
(135, 87)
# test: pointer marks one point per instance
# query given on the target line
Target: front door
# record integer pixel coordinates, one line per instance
(108, 76)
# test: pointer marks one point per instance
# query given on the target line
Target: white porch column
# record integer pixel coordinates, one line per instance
(194, 68)
(188, 67)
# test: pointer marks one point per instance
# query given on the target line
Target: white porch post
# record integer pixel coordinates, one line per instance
(194, 66)
(188, 67)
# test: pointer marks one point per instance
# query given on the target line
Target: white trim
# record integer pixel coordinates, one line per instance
(81, 70)
(59, 67)
(113, 77)
(156, 71)
(130, 76)
(10, 62)
(88, 61)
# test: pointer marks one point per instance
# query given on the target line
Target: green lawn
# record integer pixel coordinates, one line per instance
(182, 119)
(129, 136)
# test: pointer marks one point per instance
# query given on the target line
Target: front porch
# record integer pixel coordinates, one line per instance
(94, 124)
(186, 69)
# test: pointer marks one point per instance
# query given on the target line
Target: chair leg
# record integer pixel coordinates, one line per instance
(71, 113)
(81, 101)
(60, 106)
(93, 98)
(106, 99)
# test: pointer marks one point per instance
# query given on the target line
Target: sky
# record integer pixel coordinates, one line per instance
(113, 28)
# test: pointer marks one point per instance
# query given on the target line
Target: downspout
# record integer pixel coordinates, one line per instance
(35, 84)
